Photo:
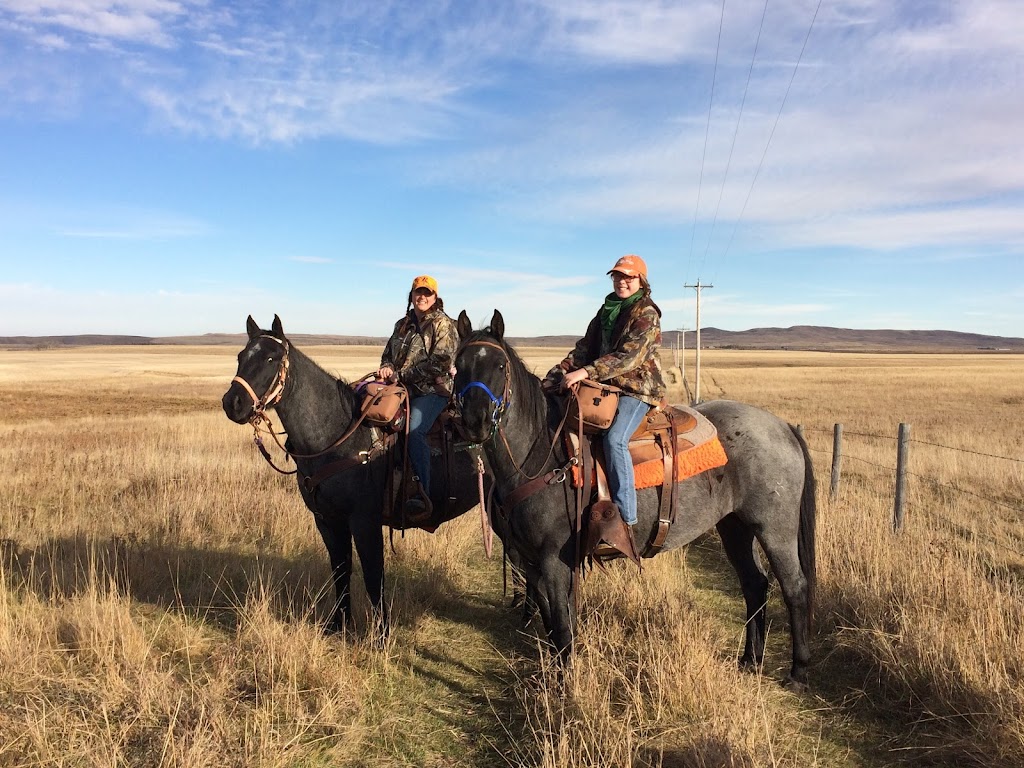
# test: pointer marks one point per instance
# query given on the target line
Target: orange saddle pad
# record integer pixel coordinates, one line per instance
(698, 449)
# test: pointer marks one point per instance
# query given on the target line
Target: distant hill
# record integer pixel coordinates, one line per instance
(814, 337)
(798, 337)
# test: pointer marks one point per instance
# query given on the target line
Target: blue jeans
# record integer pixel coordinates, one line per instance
(616, 450)
(423, 412)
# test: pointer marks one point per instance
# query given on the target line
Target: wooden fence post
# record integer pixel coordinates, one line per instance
(901, 476)
(837, 460)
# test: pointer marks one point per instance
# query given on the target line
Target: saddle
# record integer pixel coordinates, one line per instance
(443, 440)
(673, 443)
(385, 408)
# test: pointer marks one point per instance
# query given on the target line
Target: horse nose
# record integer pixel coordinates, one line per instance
(233, 405)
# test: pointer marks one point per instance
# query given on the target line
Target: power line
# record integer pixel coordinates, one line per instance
(735, 133)
(707, 132)
(782, 106)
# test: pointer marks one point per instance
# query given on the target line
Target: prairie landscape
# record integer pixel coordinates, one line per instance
(161, 590)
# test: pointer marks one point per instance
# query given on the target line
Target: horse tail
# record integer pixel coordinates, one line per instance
(806, 537)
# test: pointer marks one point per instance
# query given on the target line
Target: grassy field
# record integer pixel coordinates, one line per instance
(160, 590)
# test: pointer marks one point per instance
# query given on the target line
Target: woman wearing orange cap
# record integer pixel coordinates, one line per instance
(620, 348)
(419, 354)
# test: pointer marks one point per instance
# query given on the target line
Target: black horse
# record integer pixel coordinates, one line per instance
(764, 494)
(341, 465)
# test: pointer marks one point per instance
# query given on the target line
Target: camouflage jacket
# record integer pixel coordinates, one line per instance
(422, 353)
(630, 361)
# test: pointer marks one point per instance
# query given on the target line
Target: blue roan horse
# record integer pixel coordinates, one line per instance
(765, 494)
(342, 481)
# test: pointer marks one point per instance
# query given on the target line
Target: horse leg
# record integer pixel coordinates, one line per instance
(554, 590)
(523, 593)
(738, 541)
(785, 563)
(338, 540)
(369, 538)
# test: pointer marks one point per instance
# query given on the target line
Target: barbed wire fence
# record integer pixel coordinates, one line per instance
(901, 471)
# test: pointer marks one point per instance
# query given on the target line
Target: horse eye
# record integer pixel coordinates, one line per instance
(270, 359)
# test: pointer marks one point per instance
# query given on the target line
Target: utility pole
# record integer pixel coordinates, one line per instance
(680, 359)
(698, 286)
(681, 345)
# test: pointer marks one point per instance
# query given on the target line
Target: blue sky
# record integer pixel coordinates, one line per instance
(170, 166)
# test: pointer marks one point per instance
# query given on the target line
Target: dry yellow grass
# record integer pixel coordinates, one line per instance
(161, 587)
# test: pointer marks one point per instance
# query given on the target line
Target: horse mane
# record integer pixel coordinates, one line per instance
(344, 386)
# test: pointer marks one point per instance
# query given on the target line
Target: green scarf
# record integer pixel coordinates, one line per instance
(613, 306)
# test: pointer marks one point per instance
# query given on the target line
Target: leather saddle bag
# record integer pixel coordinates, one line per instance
(596, 403)
(384, 405)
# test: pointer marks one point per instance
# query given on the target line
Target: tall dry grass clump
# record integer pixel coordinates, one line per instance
(919, 624)
(655, 683)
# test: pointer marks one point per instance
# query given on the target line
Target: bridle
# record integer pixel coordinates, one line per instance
(274, 392)
(501, 406)
(261, 421)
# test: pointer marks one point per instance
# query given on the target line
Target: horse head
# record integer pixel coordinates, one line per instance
(261, 374)
(483, 378)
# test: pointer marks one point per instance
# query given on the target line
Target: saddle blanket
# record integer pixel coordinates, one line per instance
(687, 463)
(698, 449)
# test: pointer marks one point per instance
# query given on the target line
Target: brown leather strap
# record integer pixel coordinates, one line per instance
(667, 510)
(348, 462)
(527, 489)
(530, 487)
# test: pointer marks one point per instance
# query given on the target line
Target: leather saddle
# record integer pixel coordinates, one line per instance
(672, 442)
(444, 441)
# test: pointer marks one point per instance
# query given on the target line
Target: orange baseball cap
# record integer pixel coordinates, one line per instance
(425, 281)
(631, 265)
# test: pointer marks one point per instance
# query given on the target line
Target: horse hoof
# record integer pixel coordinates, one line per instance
(335, 627)
(748, 664)
(793, 685)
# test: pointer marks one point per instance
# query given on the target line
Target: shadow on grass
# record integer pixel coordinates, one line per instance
(474, 695)
(211, 584)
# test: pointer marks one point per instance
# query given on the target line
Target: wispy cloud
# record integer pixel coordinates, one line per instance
(141, 21)
(629, 32)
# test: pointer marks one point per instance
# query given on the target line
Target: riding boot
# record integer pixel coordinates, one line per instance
(418, 507)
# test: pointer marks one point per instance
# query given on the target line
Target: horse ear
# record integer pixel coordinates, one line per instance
(276, 327)
(464, 326)
(497, 325)
(251, 328)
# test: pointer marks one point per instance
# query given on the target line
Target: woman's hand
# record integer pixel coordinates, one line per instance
(385, 372)
(574, 376)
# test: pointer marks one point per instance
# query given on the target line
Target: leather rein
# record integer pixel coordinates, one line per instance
(260, 421)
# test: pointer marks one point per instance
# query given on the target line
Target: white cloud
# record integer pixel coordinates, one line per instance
(140, 21)
(627, 31)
